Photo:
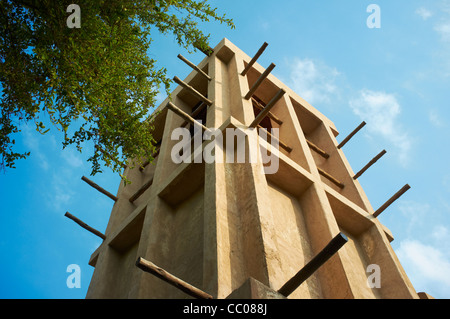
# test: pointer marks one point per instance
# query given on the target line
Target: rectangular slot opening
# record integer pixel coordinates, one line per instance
(198, 83)
(308, 121)
(289, 176)
(130, 233)
(293, 242)
(183, 182)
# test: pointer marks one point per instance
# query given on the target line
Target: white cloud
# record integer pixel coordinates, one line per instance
(33, 145)
(313, 81)
(72, 157)
(381, 110)
(441, 234)
(435, 118)
(444, 6)
(443, 29)
(446, 182)
(413, 214)
(443, 26)
(60, 200)
(426, 266)
(60, 193)
(424, 13)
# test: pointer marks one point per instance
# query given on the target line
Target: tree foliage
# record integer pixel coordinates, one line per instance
(97, 80)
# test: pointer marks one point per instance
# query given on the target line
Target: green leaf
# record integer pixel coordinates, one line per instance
(99, 77)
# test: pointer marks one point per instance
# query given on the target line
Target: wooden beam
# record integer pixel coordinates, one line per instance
(270, 114)
(85, 226)
(282, 144)
(151, 268)
(255, 58)
(317, 149)
(184, 115)
(331, 178)
(195, 113)
(193, 91)
(351, 135)
(311, 267)
(101, 190)
(391, 200)
(267, 109)
(193, 66)
(259, 81)
(141, 191)
(373, 161)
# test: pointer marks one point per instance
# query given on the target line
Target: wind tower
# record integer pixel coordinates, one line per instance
(227, 230)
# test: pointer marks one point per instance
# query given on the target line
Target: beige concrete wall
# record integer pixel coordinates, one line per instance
(293, 241)
(217, 225)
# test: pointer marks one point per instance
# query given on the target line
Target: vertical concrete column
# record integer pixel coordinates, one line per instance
(152, 232)
(322, 227)
(260, 248)
(320, 221)
(216, 255)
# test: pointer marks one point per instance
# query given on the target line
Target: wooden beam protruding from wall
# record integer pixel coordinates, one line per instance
(195, 113)
(100, 189)
(255, 58)
(317, 149)
(270, 114)
(391, 200)
(351, 135)
(267, 109)
(191, 90)
(331, 178)
(85, 226)
(259, 81)
(185, 116)
(281, 143)
(141, 191)
(373, 161)
(193, 66)
(151, 268)
(311, 267)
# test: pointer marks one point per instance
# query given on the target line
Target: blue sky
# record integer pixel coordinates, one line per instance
(396, 78)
